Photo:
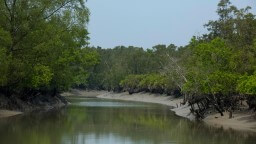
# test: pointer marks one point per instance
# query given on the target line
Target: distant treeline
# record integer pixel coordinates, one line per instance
(219, 66)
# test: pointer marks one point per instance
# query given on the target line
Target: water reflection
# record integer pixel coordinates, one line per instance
(95, 121)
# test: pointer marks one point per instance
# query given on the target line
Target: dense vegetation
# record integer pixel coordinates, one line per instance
(43, 46)
(218, 68)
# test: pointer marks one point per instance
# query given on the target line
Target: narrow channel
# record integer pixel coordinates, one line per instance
(94, 121)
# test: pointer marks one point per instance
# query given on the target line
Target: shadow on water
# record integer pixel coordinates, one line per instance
(96, 121)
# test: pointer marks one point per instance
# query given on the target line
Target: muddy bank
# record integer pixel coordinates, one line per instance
(8, 113)
(83, 93)
(15, 105)
(182, 111)
(245, 121)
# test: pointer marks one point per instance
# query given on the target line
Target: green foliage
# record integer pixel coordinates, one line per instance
(221, 83)
(43, 45)
(214, 55)
(4, 61)
(247, 85)
(117, 63)
(148, 82)
(132, 81)
(152, 82)
(212, 67)
(5, 38)
(41, 76)
(5, 41)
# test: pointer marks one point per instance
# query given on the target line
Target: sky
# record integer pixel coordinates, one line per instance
(146, 23)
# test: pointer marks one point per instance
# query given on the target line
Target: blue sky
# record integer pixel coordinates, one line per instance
(145, 23)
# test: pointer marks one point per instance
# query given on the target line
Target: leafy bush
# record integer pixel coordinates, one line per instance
(247, 84)
(132, 81)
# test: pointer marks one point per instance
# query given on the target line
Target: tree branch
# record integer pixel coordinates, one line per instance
(178, 69)
(6, 5)
(51, 14)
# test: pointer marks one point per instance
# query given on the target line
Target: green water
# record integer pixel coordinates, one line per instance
(97, 121)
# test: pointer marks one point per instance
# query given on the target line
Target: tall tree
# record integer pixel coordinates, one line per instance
(47, 40)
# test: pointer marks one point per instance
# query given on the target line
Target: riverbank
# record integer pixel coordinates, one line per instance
(14, 105)
(8, 113)
(83, 93)
(245, 121)
(182, 111)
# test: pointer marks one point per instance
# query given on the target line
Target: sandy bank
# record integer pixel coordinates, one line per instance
(83, 93)
(245, 121)
(152, 98)
(8, 113)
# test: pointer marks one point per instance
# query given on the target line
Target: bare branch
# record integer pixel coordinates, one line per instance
(178, 69)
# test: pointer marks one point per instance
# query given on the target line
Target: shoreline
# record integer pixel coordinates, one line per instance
(242, 121)
(183, 111)
(8, 113)
(11, 106)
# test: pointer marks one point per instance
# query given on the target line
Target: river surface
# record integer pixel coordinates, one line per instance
(98, 121)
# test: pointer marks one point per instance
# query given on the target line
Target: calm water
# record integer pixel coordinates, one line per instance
(96, 121)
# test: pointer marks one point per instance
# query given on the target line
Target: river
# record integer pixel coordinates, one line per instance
(99, 121)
